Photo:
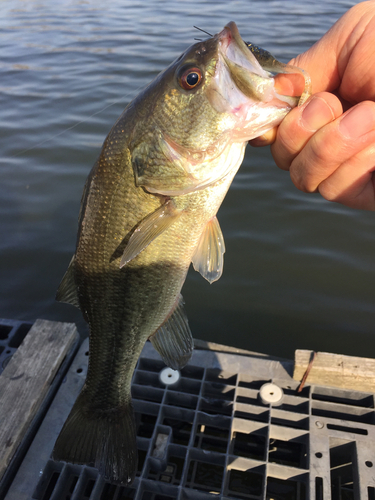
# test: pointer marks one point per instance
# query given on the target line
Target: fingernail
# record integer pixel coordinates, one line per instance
(316, 114)
(357, 121)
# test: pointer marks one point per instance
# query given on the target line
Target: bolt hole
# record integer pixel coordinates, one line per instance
(79, 370)
(86, 353)
(318, 454)
(368, 463)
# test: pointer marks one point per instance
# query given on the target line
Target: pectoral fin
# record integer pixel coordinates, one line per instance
(208, 258)
(150, 228)
(67, 291)
(173, 339)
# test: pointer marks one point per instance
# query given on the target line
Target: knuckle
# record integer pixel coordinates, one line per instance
(302, 180)
(313, 165)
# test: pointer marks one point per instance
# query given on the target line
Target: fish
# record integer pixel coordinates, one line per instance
(148, 211)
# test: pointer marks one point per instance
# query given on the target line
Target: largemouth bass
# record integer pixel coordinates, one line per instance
(148, 210)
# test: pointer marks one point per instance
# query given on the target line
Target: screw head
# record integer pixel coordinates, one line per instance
(168, 376)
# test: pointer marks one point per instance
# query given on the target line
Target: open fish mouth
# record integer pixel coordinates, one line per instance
(255, 77)
(236, 51)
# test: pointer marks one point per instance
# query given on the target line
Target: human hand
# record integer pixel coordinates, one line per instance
(326, 150)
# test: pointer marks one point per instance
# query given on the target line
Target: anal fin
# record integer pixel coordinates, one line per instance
(67, 291)
(173, 340)
(150, 228)
(208, 258)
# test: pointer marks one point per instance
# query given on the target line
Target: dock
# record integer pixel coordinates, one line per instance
(232, 424)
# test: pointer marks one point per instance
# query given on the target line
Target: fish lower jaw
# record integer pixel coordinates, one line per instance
(257, 121)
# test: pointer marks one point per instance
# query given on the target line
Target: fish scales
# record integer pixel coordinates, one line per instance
(149, 210)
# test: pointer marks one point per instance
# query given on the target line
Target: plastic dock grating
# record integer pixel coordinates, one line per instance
(210, 435)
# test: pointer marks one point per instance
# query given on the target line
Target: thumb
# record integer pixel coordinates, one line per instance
(340, 59)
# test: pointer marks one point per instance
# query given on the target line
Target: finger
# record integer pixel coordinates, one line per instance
(352, 183)
(346, 50)
(292, 84)
(333, 145)
(300, 124)
(265, 139)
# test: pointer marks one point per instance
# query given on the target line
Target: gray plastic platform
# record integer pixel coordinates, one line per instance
(209, 435)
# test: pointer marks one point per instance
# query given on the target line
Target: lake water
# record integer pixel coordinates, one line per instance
(299, 271)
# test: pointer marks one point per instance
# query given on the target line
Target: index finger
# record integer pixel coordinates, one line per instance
(301, 124)
(265, 139)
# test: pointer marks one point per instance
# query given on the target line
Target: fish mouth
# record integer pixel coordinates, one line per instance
(255, 81)
(245, 71)
(235, 51)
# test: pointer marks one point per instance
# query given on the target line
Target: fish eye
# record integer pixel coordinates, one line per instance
(189, 78)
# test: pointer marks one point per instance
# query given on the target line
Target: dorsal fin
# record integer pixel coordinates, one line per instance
(173, 340)
(208, 258)
(150, 228)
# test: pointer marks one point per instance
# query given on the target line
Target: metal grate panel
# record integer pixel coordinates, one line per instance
(210, 435)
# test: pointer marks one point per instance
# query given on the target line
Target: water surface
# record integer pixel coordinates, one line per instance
(299, 271)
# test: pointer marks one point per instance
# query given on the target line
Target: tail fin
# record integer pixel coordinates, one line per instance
(103, 439)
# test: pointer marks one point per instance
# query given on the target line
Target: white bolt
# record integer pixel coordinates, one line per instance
(168, 376)
(271, 394)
